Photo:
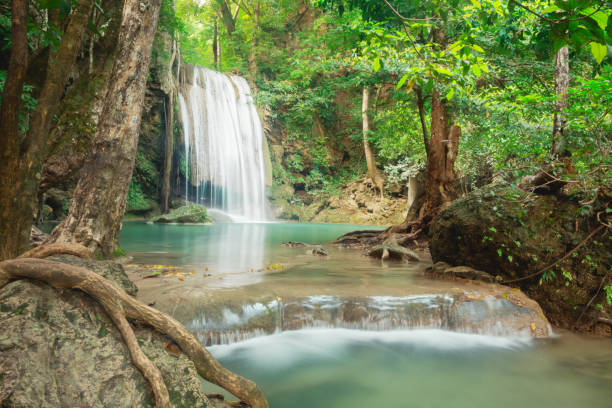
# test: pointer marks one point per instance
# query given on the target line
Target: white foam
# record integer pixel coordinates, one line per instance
(288, 347)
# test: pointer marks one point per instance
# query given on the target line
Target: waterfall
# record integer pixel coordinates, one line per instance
(224, 155)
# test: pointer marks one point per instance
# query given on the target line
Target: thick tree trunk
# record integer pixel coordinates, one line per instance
(98, 204)
(13, 238)
(559, 145)
(369, 154)
(226, 17)
(168, 152)
(252, 59)
(440, 174)
(18, 195)
(443, 147)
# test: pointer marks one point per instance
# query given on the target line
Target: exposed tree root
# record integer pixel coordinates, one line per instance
(46, 250)
(121, 305)
(140, 360)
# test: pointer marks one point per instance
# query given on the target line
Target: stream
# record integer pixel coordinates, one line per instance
(348, 331)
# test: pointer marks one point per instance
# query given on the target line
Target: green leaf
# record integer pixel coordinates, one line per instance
(401, 82)
(476, 70)
(449, 94)
(599, 51)
(477, 48)
(376, 64)
(493, 229)
(600, 17)
(510, 258)
(499, 252)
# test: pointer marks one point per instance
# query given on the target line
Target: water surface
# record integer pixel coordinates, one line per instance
(409, 364)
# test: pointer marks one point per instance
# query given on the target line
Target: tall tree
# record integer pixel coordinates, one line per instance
(562, 103)
(23, 160)
(377, 179)
(98, 204)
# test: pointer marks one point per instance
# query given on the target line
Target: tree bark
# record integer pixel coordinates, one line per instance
(98, 204)
(252, 58)
(226, 17)
(23, 168)
(559, 145)
(13, 238)
(440, 173)
(369, 154)
(420, 102)
(215, 45)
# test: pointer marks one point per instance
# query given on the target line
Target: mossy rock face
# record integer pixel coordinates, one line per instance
(188, 214)
(507, 232)
(59, 349)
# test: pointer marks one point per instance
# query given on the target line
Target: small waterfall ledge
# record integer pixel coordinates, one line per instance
(224, 153)
(470, 313)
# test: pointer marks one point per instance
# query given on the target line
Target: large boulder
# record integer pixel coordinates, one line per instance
(505, 231)
(59, 349)
(187, 214)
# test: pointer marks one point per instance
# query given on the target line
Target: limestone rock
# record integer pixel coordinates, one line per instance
(59, 349)
(111, 270)
(444, 270)
(188, 214)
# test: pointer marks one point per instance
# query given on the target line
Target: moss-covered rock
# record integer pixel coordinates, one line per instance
(59, 349)
(508, 232)
(188, 214)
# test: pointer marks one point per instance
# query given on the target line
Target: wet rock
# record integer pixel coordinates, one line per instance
(188, 214)
(59, 349)
(445, 271)
(111, 270)
(386, 251)
(319, 250)
(294, 244)
(489, 309)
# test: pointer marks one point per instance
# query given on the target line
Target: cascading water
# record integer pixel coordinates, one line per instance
(223, 144)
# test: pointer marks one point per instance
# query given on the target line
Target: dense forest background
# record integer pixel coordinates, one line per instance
(310, 62)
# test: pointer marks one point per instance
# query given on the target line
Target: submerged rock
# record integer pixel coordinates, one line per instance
(59, 349)
(319, 250)
(188, 214)
(505, 231)
(445, 271)
(386, 251)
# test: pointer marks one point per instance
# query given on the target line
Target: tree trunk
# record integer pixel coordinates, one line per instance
(13, 238)
(98, 203)
(443, 147)
(252, 59)
(18, 195)
(168, 152)
(215, 45)
(559, 145)
(440, 174)
(369, 155)
(226, 17)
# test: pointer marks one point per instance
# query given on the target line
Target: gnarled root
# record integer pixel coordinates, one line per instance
(46, 250)
(63, 276)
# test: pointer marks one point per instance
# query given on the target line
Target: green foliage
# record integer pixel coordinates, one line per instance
(135, 197)
(28, 102)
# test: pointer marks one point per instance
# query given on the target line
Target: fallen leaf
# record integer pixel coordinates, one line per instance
(181, 278)
(533, 326)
